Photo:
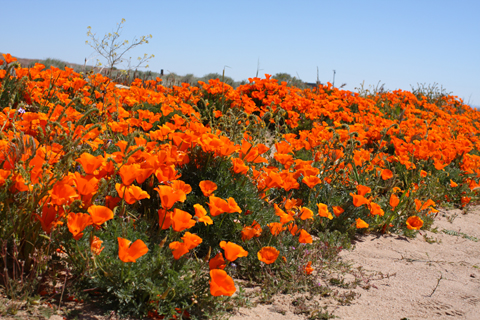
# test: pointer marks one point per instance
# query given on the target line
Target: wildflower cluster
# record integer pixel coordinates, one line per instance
(161, 195)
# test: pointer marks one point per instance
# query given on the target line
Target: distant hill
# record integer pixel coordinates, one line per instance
(48, 62)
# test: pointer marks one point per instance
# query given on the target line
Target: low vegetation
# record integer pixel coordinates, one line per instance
(156, 197)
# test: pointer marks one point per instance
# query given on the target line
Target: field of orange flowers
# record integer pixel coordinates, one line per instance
(156, 198)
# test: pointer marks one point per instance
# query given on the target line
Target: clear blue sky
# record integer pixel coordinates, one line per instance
(399, 43)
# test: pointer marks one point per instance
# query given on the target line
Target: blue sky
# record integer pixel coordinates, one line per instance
(399, 43)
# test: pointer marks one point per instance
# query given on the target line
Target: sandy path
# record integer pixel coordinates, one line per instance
(439, 280)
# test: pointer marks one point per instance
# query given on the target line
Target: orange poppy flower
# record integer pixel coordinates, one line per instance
(8, 58)
(217, 262)
(305, 237)
(359, 200)
(131, 194)
(252, 154)
(276, 228)
(166, 173)
(227, 148)
(427, 204)
(232, 250)
(130, 253)
(4, 174)
(181, 188)
(423, 173)
(418, 204)
(284, 217)
(96, 245)
(207, 187)
(178, 249)
(337, 211)
(308, 268)
(233, 206)
(168, 196)
(375, 209)
(453, 184)
(363, 190)
(285, 159)
(268, 255)
(293, 229)
(292, 203)
(465, 200)
(48, 219)
(397, 189)
(217, 206)
(273, 179)
(221, 284)
(90, 163)
(360, 156)
(239, 166)
(107, 168)
(181, 220)
(361, 224)
(191, 240)
(143, 174)
(306, 213)
(63, 193)
(323, 211)
(289, 181)
(100, 214)
(248, 232)
(201, 214)
(210, 142)
(164, 218)
(112, 202)
(311, 181)
(77, 222)
(128, 173)
(414, 223)
(86, 186)
(387, 174)
(394, 200)
(122, 144)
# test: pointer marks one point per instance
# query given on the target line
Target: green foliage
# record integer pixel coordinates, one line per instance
(222, 78)
(460, 234)
(154, 281)
(51, 62)
(291, 81)
(12, 91)
(432, 93)
(26, 249)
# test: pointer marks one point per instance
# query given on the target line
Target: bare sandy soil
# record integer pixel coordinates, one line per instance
(421, 280)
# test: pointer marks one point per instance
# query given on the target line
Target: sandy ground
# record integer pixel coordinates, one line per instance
(421, 280)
